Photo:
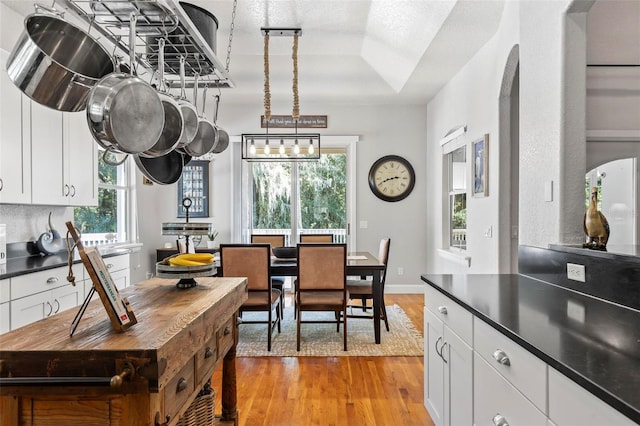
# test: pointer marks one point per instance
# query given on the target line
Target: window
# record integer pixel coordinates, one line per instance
(107, 223)
(456, 165)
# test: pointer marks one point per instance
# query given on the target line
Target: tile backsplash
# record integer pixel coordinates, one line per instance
(27, 222)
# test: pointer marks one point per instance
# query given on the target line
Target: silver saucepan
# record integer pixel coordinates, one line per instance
(189, 112)
(56, 64)
(173, 120)
(123, 111)
(223, 136)
(207, 136)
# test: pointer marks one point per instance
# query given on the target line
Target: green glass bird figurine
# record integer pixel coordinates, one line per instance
(595, 225)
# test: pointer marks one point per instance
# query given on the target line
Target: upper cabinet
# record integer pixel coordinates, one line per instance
(64, 158)
(15, 141)
(46, 156)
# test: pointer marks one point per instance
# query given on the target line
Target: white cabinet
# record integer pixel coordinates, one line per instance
(448, 383)
(42, 294)
(119, 269)
(572, 405)
(64, 158)
(497, 402)
(5, 313)
(15, 141)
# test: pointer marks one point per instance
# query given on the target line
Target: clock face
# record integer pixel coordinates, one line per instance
(391, 178)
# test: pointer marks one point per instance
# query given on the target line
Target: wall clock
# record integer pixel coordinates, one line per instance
(391, 178)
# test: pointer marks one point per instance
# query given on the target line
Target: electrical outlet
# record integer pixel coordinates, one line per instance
(576, 311)
(400, 270)
(488, 232)
(576, 272)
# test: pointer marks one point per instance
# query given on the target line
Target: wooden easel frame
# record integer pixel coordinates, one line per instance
(107, 302)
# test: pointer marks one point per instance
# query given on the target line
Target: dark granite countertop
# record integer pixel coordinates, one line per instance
(29, 264)
(596, 344)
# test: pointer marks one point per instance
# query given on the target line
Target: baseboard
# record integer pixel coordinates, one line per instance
(404, 289)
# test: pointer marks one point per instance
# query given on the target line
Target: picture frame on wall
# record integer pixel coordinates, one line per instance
(480, 166)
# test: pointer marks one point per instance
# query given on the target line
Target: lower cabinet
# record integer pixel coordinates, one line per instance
(475, 375)
(44, 304)
(448, 383)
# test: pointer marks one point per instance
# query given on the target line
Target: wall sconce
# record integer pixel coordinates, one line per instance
(281, 146)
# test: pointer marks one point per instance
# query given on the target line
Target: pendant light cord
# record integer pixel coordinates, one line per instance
(267, 93)
(296, 99)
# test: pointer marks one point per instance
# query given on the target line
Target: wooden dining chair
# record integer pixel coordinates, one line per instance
(316, 238)
(254, 261)
(275, 240)
(362, 289)
(321, 284)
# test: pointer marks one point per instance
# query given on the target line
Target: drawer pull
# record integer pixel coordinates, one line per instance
(182, 385)
(443, 310)
(118, 379)
(52, 280)
(208, 353)
(227, 330)
(500, 420)
(109, 265)
(502, 358)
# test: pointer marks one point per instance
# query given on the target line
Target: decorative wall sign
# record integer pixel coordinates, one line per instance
(480, 166)
(286, 122)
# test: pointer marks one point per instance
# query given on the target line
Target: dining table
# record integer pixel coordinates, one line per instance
(360, 263)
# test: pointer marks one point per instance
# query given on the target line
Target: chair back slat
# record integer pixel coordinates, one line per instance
(247, 260)
(276, 240)
(322, 266)
(316, 238)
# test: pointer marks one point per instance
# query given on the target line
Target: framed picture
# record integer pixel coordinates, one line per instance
(194, 184)
(480, 166)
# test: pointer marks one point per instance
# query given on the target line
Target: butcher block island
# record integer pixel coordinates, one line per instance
(148, 374)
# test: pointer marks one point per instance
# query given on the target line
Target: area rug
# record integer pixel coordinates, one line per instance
(322, 339)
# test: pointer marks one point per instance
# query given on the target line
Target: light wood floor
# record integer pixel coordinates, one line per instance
(334, 390)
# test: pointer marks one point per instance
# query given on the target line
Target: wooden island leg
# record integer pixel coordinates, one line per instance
(229, 393)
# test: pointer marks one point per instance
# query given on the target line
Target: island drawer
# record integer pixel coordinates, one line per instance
(206, 358)
(524, 370)
(226, 335)
(179, 389)
(449, 312)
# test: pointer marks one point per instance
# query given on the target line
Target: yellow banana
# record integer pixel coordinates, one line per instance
(197, 257)
(178, 261)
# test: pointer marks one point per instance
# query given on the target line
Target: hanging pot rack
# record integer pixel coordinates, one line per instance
(155, 19)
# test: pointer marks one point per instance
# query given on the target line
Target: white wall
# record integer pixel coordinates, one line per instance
(382, 130)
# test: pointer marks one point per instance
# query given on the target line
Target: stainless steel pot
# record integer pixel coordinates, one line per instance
(207, 136)
(173, 120)
(223, 136)
(123, 111)
(189, 112)
(56, 64)
(164, 170)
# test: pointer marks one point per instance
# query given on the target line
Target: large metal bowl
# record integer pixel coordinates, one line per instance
(285, 252)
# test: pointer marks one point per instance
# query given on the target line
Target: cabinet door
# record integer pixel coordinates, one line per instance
(5, 317)
(458, 387)
(48, 150)
(120, 278)
(434, 368)
(66, 297)
(30, 309)
(81, 161)
(15, 141)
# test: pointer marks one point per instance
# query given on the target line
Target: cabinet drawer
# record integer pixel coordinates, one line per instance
(525, 371)
(179, 389)
(449, 312)
(225, 336)
(495, 396)
(571, 404)
(117, 263)
(25, 285)
(206, 358)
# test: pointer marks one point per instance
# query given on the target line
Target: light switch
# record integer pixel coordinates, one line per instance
(548, 191)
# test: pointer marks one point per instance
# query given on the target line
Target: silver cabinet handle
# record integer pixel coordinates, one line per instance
(55, 311)
(444, 344)
(500, 420)
(66, 190)
(50, 309)
(443, 310)
(73, 191)
(52, 280)
(437, 351)
(502, 358)
(1, 184)
(110, 265)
